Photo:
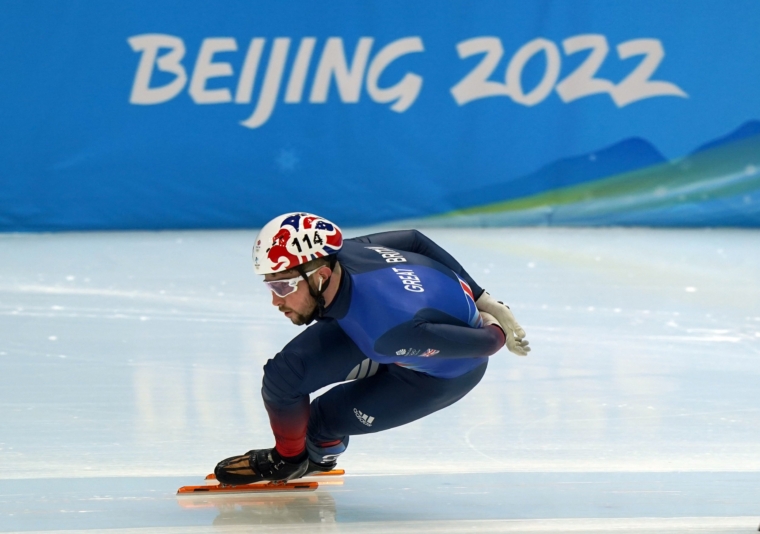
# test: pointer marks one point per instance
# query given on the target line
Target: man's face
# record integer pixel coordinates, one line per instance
(299, 306)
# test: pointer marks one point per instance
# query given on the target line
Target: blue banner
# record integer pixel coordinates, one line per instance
(151, 115)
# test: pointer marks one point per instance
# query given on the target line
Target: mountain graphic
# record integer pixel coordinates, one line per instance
(716, 185)
(748, 129)
(626, 156)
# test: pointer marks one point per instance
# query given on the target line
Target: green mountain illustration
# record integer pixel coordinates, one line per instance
(717, 185)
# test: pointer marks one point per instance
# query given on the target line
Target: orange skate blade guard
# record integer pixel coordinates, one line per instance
(249, 488)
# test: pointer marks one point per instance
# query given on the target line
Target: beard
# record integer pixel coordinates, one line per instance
(305, 318)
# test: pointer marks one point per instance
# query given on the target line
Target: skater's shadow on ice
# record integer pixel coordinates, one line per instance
(264, 509)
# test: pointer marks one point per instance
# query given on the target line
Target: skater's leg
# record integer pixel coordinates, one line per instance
(386, 400)
(321, 355)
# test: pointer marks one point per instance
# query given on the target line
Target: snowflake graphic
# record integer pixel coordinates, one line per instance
(287, 160)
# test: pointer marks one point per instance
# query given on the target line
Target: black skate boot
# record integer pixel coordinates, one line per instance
(258, 465)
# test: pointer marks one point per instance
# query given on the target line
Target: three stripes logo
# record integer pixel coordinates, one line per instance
(363, 417)
(363, 370)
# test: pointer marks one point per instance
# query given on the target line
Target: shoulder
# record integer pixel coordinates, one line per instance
(358, 257)
(399, 237)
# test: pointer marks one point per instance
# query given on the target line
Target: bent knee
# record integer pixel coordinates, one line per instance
(282, 382)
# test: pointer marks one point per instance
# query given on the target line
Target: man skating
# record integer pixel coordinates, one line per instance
(397, 318)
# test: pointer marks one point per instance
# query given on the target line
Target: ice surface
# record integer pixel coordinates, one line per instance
(130, 363)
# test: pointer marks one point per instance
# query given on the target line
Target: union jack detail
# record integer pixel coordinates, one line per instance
(467, 290)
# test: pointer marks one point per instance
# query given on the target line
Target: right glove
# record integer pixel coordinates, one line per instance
(516, 342)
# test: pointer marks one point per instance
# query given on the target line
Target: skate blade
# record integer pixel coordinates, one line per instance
(333, 473)
(265, 487)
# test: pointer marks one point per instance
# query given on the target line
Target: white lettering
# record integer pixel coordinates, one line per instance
(410, 280)
(149, 45)
(517, 64)
(390, 256)
(405, 92)
(582, 82)
(271, 87)
(250, 68)
(298, 75)
(637, 85)
(477, 84)
(333, 64)
(205, 68)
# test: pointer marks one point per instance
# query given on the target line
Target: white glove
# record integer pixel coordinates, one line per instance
(516, 342)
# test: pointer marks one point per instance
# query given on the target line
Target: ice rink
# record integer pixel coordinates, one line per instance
(130, 363)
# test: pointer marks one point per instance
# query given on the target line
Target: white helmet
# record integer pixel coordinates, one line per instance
(293, 239)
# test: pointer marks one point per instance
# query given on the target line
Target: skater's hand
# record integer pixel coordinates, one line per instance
(516, 342)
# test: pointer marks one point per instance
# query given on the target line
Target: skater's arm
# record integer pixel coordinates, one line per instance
(415, 241)
(432, 330)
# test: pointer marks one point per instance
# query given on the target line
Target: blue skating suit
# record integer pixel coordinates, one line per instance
(402, 332)
(396, 306)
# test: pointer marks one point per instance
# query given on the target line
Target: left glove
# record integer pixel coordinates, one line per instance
(516, 342)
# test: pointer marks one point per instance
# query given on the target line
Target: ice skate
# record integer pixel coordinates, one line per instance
(261, 471)
(262, 465)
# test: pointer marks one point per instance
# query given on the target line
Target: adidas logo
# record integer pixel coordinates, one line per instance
(363, 417)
